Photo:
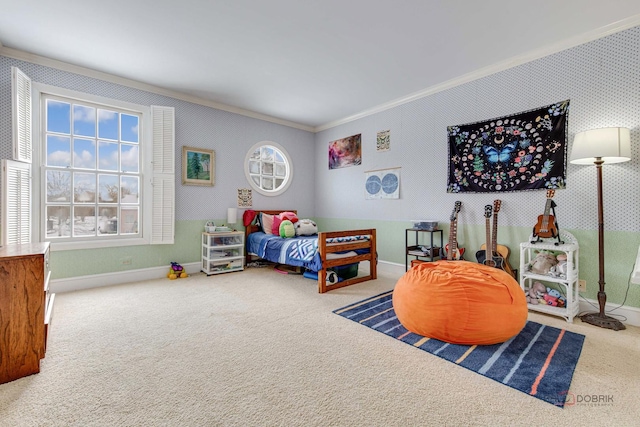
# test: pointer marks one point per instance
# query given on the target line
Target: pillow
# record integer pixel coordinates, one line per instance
(266, 221)
(248, 217)
(287, 229)
(291, 216)
(306, 227)
(275, 229)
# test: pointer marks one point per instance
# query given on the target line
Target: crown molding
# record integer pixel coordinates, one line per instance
(88, 72)
(616, 27)
(589, 36)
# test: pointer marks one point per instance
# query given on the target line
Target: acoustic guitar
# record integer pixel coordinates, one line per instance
(499, 250)
(451, 248)
(546, 226)
(487, 256)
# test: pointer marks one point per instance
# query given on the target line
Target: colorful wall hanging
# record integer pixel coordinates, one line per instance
(524, 151)
(345, 152)
(382, 184)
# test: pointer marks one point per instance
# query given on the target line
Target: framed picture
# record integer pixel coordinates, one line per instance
(245, 198)
(345, 152)
(198, 166)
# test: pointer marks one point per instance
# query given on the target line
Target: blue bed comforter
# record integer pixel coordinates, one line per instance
(300, 251)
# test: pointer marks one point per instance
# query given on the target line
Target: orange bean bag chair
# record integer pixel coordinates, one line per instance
(460, 302)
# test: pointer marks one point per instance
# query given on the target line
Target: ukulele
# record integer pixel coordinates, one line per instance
(451, 248)
(486, 256)
(499, 250)
(546, 226)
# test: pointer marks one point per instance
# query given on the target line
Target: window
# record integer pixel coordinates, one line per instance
(91, 169)
(268, 168)
(98, 173)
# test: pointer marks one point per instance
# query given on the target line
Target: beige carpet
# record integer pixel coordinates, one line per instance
(259, 348)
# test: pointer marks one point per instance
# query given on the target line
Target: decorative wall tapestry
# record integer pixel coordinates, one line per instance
(524, 151)
(345, 152)
(382, 184)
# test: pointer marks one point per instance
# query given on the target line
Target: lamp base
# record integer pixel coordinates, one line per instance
(603, 321)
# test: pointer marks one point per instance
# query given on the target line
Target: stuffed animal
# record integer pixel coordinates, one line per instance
(277, 220)
(175, 271)
(287, 229)
(306, 227)
(536, 293)
(542, 263)
(560, 269)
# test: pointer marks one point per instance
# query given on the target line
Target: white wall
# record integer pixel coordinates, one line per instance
(601, 80)
(230, 135)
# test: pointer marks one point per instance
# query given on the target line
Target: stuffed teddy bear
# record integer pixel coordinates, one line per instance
(535, 293)
(560, 269)
(306, 227)
(542, 263)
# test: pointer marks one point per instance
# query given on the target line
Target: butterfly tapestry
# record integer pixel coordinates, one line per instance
(523, 151)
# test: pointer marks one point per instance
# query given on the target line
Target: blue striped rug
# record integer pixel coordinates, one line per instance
(539, 361)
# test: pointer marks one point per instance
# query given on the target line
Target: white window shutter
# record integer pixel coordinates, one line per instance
(16, 202)
(163, 179)
(21, 115)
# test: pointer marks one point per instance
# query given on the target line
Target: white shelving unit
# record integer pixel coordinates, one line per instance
(568, 283)
(222, 252)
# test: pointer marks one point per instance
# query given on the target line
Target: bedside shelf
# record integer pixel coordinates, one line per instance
(222, 252)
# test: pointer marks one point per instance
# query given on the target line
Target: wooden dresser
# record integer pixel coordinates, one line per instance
(26, 307)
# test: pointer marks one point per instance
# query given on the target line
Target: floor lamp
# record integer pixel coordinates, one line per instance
(597, 147)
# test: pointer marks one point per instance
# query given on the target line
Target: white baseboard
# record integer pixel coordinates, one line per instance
(107, 279)
(390, 268)
(627, 315)
(631, 315)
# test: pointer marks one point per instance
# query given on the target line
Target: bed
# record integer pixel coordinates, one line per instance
(317, 253)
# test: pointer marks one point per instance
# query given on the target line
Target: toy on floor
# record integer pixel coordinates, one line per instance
(332, 277)
(175, 271)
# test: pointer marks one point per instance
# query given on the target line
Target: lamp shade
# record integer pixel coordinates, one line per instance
(232, 215)
(612, 145)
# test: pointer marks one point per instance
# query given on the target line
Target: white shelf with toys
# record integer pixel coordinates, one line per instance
(549, 275)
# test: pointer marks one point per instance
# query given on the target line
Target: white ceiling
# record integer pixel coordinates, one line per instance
(310, 62)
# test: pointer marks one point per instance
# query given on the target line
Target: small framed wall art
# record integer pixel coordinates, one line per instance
(245, 198)
(198, 166)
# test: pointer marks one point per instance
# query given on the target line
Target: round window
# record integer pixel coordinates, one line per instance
(268, 168)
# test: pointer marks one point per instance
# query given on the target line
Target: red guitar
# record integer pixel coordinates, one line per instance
(546, 226)
(451, 248)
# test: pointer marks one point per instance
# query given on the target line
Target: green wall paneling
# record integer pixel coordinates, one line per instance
(621, 249)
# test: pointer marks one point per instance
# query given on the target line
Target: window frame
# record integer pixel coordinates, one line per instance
(289, 164)
(39, 155)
